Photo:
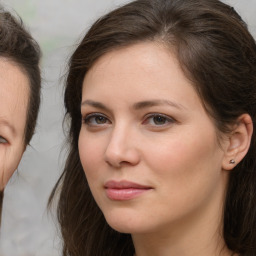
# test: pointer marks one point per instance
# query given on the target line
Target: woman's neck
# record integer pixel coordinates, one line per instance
(199, 234)
(190, 243)
(156, 246)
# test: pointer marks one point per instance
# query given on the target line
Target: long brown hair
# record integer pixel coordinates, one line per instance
(218, 55)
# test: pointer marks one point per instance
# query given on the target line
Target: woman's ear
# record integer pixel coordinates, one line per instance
(238, 142)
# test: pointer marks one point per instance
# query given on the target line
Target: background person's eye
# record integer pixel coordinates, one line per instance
(3, 140)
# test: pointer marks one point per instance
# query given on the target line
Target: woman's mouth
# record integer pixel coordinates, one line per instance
(124, 190)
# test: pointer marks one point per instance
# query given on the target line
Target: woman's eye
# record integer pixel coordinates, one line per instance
(96, 119)
(158, 120)
(3, 140)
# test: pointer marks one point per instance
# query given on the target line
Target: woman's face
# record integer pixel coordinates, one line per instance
(148, 148)
(14, 94)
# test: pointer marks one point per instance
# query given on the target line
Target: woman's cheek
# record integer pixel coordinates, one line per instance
(90, 152)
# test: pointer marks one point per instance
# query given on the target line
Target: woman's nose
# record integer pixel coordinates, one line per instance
(122, 149)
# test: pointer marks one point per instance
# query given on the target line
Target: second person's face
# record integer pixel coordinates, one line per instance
(14, 96)
(148, 148)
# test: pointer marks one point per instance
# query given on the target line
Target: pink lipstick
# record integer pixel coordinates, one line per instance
(124, 190)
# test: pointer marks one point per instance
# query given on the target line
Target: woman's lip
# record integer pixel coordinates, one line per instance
(123, 184)
(124, 190)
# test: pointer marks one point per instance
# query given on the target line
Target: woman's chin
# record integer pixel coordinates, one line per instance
(122, 226)
(125, 224)
(131, 225)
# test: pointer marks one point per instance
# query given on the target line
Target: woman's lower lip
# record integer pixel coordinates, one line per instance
(125, 193)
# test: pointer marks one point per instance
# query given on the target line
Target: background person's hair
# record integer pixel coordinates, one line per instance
(17, 45)
(218, 54)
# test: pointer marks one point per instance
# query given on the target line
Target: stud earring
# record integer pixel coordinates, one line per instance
(232, 161)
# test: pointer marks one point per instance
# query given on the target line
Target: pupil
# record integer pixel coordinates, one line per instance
(100, 120)
(159, 120)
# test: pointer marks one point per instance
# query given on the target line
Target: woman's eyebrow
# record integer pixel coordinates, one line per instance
(153, 103)
(95, 104)
(137, 105)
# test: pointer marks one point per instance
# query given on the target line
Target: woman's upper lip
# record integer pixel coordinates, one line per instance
(124, 184)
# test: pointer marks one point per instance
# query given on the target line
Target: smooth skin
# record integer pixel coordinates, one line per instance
(143, 122)
(14, 95)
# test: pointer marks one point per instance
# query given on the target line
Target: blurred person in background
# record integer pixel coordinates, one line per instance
(20, 84)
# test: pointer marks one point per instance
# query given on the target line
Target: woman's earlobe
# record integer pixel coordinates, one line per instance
(238, 142)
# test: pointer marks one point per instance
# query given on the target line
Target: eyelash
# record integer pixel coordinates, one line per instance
(161, 118)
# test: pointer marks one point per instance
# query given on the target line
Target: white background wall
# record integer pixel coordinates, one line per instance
(27, 228)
